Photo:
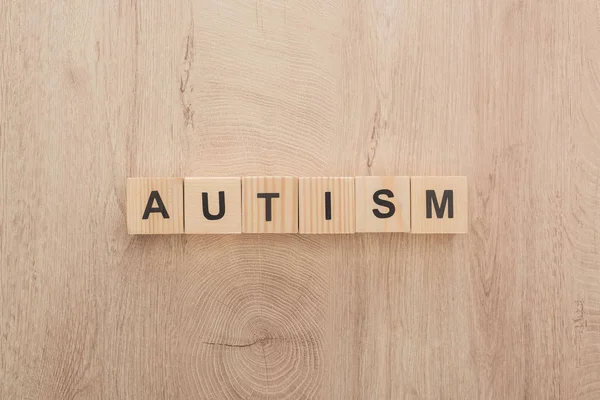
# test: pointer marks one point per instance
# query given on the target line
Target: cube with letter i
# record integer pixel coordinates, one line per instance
(326, 205)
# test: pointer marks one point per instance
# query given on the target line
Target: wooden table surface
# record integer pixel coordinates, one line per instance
(504, 92)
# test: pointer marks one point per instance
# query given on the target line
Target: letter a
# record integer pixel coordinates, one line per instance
(160, 206)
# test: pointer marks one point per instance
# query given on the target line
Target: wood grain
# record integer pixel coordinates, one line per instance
(505, 93)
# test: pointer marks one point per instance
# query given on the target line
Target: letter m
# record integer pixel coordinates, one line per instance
(432, 202)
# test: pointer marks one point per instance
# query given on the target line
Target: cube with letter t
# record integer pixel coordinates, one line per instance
(154, 205)
(270, 204)
(439, 204)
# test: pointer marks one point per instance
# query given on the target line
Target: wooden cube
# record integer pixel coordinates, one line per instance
(154, 205)
(326, 205)
(213, 205)
(270, 204)
(439, 204)
(382, 203)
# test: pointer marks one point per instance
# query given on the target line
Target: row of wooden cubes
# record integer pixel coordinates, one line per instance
(266, 204)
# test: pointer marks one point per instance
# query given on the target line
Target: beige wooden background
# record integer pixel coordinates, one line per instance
(505, 92)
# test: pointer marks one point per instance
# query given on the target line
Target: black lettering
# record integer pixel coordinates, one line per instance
(447, 199)
(328, 206)
(160, 206)
(268, 208)
(384, 203)
(206, 212)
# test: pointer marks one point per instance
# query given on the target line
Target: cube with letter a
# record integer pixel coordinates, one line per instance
(439, 204)
(154, 205)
